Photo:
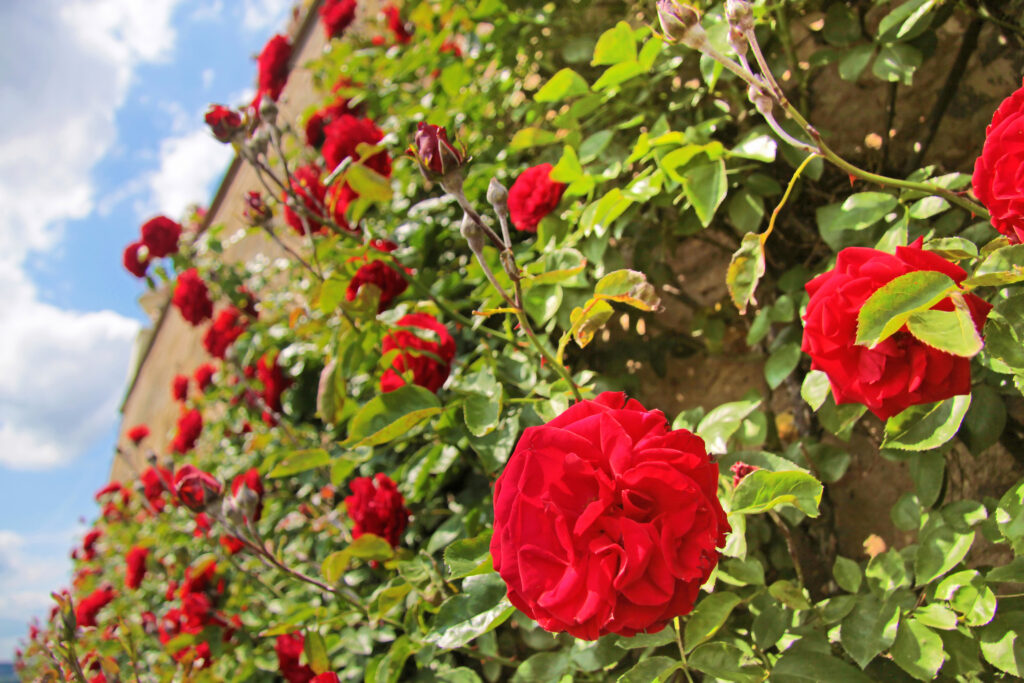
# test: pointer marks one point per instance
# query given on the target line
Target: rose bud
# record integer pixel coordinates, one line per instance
(224, 123)
(435, 154)
(681, 23)
(247, 490)
(195, 488)
(740, 470)
(256, 212)
(739, 15)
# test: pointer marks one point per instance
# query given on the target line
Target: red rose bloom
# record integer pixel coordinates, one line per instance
(204, 376)
(273, 379)
(179, 387)
(901, 371)
(426, 370)
(89, 544)
(250, 479)
(289, 648)
(190, 426)
(998, 182)
(273, 66)
(192, 298)
(132, 263)
(344, 134)
(160, 235)
(231, 544)
(89, 606)
(532, 196)
(138, 433)
(314, 195)
(606, 521)
(336, 15)
(402, 35)
(112, 487)
(377, 508)
(195, 489)
(226, 328)
(224, 123)
(156, 480)
(135, 566)
(315, 125)
(379, 273)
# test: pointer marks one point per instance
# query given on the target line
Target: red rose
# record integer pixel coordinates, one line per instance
(901, 371)
(160, 235)
(156, 480)
(190, 426)
(224, 123)
(427, 371)
(132, 263)
(179, 387)
(231, 544)
(195, 489)
(344, 134)
(606, 521)
(250, 480)
(273, 379)
(326, 677)
(112, 487)
(377, 508)
(135, 569)
(226, 328)
(289, 648)
(138, 433)
(379, 273)
(532, 196)
(402, 35)
(315, 125)
(314, 195)
(273, 66)
(89, 544)
(997, 181)
(89, 606)
(336, 15)
(204, 376)
(192, 298)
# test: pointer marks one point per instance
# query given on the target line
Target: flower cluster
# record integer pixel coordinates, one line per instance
(159, 238)
(426, 349)
(192, 298)
(377, 508)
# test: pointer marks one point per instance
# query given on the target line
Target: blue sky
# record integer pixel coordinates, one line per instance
(102, 105)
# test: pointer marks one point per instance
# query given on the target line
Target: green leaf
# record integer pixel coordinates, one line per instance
(391, 415)
(789, 595)
(483, 404)
(705, 186)
(886, 572)
(389, 670)
(897, 63)
(495, 448)
(758, 146)
(842, 26)
(923, 427)
(781, 363)
(316, 652)
(368, 547)
(906, 513)
(1001, 643)
(542, 667)
(300, 461)
(761, 491)
(480, 608)
(746, 268)
(854, 61)
(1010, 517)
(950, 331)
(806, 666)
(531, 137)
(938, 551)
(869, 629)
(565, 83)
(707, 617)
(918, 650)
(469, 556)
(1000, 267)
(952, 248)
(616, 45)
(985, 420)
(618, 74)
(739, 572)
(1014, 572)
(726, 662)
(368, 183)
(926, 207)
(889, 308)
(586, 321)
(721, 423)
(628, 287)
(656, 669)
(936, 616)
(642, 640)
(815, 388)
(968, 594)
(847, 574)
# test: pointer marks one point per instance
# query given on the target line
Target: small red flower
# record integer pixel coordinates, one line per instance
(132, 263)
(740, 470)
(190, 426)
(380, 274)
(532, 196)
(273, 379)
(89, 544)
(89, 606)
(138, 433)
(204, 376)
(344, 134)
(315, 125)
(156, 480)
(250, 480)
(160, 235)
(226, 328)
(224, 123)
(192, 298)
(427, 371)
(135, 569)
(377, 508)
(195, 488)
(397, 27)
(289, 648)
(273, 66)
(179, 387)
(336, 16)
(314, 195)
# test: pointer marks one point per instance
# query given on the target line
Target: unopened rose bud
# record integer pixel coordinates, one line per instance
(151, 457)
(740, 470)
(224, 123)
(259, 142)
(256, 211)
(473, 234)
(496, 193)
(739, 15)
(762, 100)
(196, 489)
(437, 157)
(681, 23)
(231, 513)
(246, 501)
(268, 110)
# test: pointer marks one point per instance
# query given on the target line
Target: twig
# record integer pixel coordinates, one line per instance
(790, 544)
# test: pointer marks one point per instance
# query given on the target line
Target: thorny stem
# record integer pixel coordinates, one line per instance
(267, 229)
(254, 576)
(275, 138)
(790, 544)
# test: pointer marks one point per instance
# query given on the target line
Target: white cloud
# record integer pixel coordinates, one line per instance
(207, 12)
(188, 165)
(208, 76)
(260, 15)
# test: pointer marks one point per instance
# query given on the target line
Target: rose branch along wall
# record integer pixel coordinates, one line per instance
(173, 346)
